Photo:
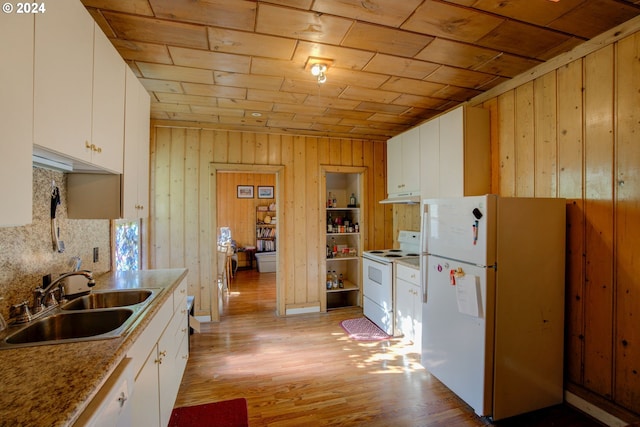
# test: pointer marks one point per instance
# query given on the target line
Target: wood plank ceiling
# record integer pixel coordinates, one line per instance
(244, 65)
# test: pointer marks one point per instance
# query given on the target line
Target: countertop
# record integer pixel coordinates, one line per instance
(51, 385)
(410, 262)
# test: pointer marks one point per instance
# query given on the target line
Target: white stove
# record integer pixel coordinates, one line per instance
(377, 273)
(409, 248)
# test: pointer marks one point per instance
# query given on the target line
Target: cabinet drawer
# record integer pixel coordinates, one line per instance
(180, 296)
(112, 405)
(408, 274)
(172, 337)
(149, 337)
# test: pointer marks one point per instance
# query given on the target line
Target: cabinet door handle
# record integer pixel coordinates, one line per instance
(158, 361)
(122, 399)
(163, 354)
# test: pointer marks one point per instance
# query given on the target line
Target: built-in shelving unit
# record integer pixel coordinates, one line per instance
(265, 229)
(343, 238)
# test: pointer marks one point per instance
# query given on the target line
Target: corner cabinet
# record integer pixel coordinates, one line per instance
(265, 229)
(343, 225)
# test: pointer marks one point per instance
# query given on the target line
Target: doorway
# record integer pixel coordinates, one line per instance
(247, 188)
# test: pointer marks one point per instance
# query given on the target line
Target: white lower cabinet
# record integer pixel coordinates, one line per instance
(112, 405)
(408, 310)
(159, 357)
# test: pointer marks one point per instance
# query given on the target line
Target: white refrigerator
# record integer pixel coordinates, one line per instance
(492, 272)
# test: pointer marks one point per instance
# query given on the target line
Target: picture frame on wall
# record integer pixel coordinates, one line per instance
(245, 192)
(265, 192)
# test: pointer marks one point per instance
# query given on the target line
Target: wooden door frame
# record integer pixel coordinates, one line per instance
(214, 168)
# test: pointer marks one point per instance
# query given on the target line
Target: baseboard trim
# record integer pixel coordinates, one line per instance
(302, 310)
(593, 410)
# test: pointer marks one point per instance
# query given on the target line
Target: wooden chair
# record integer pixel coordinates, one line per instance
(225, 271)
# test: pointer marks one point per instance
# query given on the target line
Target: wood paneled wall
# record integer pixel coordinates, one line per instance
(180, 232)
(573, 133)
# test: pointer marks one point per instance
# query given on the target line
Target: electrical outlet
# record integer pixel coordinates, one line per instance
(96, 255)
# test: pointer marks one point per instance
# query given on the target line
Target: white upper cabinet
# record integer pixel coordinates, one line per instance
(430, 157)
(403, 164)
(111, 196)
(78, 89)
(16, 118)
(107, 130)
(455, 154)
(136, 144)
(63, 80)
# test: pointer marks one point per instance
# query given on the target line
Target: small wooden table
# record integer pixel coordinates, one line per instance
(251, 255)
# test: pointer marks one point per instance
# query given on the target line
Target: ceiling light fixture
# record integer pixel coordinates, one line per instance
(319, 70)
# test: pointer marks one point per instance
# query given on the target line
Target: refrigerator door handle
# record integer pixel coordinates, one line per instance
(423, 277)
(424, 229)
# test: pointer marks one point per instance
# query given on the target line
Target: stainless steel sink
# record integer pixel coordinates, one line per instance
(102, 314)
(109, 299)
(71, 326)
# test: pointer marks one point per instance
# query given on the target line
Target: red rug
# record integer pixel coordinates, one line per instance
(363, 329)
(228, 413)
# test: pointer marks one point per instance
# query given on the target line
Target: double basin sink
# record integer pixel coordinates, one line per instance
(98, 315)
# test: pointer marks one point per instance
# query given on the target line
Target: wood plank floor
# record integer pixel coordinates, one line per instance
(304, 371)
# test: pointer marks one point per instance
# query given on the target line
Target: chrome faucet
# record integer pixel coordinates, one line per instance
(44, 300)
(51, 286)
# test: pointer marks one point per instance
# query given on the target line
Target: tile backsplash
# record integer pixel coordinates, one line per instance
(27, 254)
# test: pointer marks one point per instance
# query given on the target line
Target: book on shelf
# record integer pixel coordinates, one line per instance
(265, 233)
(266, 245)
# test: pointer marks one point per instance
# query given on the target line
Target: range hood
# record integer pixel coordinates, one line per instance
(400, 199)
(47, 163)
(47, 159)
